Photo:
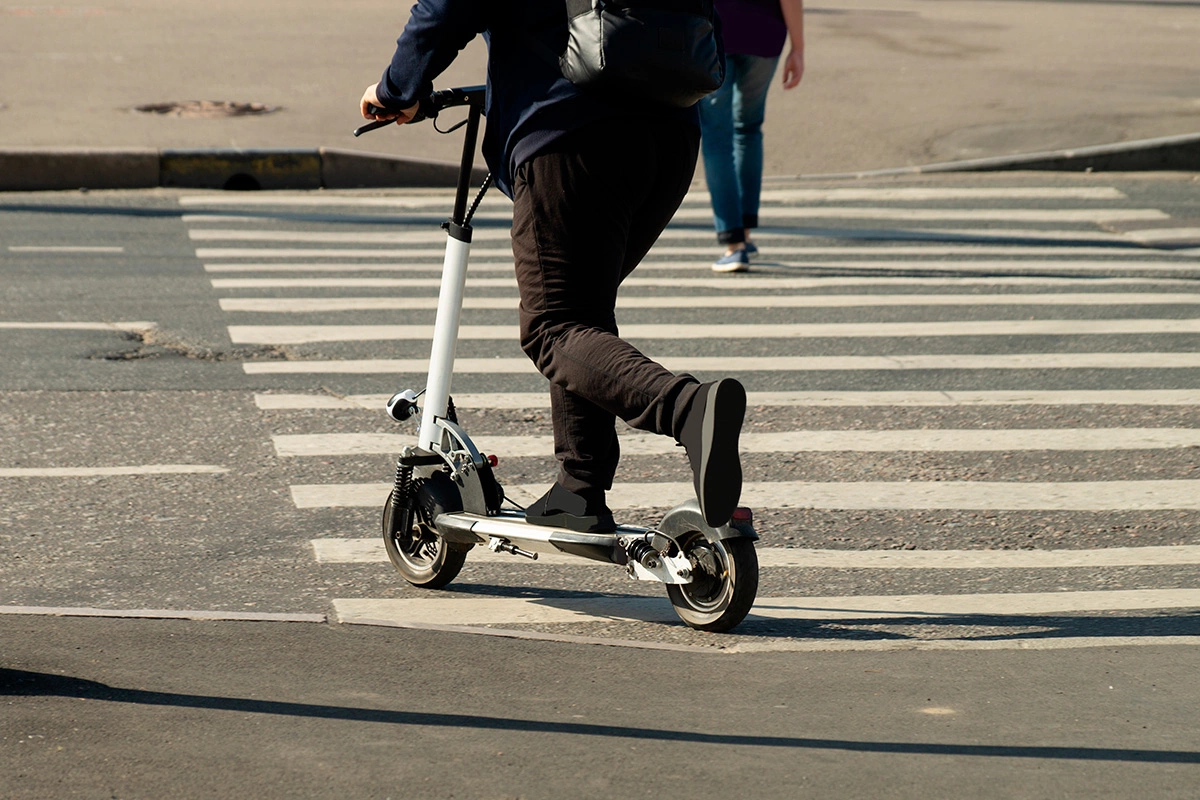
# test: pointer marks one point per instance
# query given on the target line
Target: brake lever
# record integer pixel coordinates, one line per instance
(420, 116)
(373, 126)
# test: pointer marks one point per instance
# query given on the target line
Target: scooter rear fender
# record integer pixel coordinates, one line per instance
(686, 517)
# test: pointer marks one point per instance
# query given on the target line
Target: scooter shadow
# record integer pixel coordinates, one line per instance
(812, 624)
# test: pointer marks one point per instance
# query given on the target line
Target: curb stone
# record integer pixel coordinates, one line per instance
(1167, 153)
(42, 169)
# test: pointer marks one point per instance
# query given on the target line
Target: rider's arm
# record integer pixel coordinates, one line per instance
(433, 37)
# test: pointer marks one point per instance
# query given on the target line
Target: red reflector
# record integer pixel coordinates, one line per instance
(495, 462)
(743, 515)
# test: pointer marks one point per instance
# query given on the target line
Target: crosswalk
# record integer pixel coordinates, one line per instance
(922, 337)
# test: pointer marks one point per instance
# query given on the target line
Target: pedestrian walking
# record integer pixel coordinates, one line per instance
(731, 118)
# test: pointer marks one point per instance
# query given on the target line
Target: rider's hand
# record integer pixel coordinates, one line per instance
(371, 98)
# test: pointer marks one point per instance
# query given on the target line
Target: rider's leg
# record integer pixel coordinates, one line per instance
(585, 444)
(585, 212)
(574, 209)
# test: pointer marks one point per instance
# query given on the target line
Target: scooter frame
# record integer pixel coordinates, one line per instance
(446, 500)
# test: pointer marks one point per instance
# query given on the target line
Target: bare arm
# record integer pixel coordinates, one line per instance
(793, 65)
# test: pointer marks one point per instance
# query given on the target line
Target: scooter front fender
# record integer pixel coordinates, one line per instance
(686, 517)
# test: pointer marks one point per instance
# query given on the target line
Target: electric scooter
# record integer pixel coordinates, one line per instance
(446, 500)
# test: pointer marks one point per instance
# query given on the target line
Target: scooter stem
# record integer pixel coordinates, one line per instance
(450, 297)
(445, 337)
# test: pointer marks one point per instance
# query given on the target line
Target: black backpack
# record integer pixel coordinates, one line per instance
(662, 51)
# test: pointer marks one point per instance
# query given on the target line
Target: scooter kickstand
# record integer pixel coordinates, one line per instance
(498, 545)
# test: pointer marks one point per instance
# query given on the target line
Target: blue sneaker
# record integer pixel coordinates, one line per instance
(751, 250)
(737, 261)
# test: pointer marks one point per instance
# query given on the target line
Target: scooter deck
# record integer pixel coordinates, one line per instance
(510, 526)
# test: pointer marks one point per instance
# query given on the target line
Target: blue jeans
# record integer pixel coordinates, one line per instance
(731, 143)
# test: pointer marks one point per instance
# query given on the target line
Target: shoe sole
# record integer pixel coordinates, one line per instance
(720, 479)
(736, 266)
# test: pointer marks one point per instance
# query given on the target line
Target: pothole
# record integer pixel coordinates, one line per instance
(206, 109)
(156, 344)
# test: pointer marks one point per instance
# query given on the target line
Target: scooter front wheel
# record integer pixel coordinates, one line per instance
(724, 582)
(420, 554)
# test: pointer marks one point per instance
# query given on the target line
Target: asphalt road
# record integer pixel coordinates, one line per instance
(1008, 400)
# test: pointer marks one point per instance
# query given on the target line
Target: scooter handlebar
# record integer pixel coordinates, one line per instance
(431, 106)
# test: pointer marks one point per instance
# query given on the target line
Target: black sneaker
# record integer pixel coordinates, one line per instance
(585, 512)
(710, 436)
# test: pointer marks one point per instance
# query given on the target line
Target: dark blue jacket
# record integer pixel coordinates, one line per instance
(529, 103)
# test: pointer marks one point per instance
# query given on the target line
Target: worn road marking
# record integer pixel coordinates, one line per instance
(130, 327)
(160, 613)
(63, 249)
(101, 472)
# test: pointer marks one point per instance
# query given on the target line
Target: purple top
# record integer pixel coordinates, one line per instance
(752, 27)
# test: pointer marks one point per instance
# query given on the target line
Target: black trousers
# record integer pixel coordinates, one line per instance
(585, 212)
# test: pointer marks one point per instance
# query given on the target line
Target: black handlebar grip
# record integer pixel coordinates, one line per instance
(423, 113)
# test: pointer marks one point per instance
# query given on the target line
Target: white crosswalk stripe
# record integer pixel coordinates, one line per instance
(716, 364)
(791, 259)
(437, 200)
(721, 284)
(302, 334)
(302, 305)
(885, 267)
(1135, 397)
(500, 611)
(857, 495)
(371, 551)
(826, 441)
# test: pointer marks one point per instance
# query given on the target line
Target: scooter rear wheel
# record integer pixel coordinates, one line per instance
(420, 554)
(724, 582)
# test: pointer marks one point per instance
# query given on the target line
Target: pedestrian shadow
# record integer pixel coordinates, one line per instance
(849, 235)
(1184, 271)
(20, 683)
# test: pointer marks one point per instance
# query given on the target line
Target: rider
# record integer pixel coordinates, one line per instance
(593, 181)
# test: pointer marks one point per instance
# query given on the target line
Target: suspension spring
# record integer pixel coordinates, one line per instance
(641, 552)
(402, 487)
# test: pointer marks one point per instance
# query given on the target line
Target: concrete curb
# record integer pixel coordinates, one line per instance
(40, 169)
(1168, 153)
